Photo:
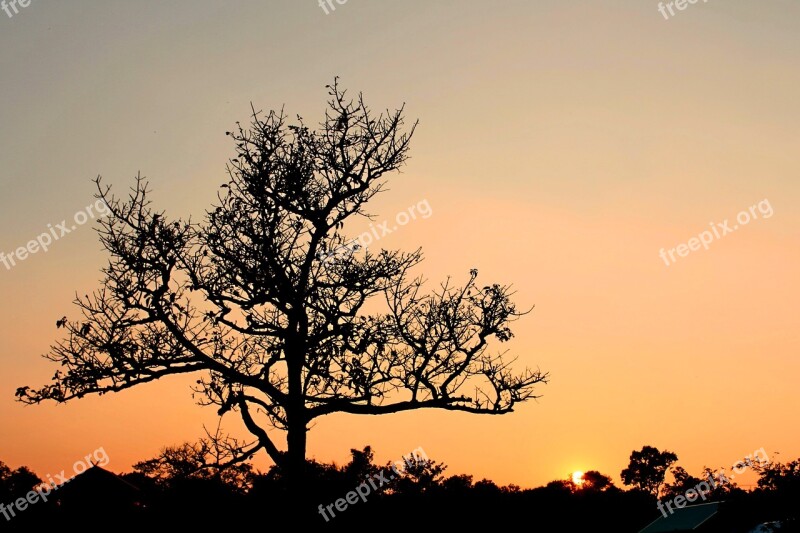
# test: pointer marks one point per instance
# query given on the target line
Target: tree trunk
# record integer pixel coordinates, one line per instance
(297, 423)
(296, 456)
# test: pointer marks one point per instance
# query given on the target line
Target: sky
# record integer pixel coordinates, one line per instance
(562, 145)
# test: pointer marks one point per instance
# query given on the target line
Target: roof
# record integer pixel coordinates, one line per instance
(98, 483)
(98, 476)
(687, 518)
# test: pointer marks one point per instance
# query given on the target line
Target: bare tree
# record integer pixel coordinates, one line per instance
(206, 459)
(277, 333)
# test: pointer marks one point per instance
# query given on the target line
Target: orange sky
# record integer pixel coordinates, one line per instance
(561, 145)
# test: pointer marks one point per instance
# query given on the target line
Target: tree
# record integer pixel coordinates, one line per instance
(459, 484)
(486, 488)
(647, 469)
(782, 477)
(722, 485)
(781, 482)
(361, 466)
(419, 475)
(562, 486)
(247, 299)
(683, 481)
(5, 473)
(196, 461)
(16, 483)
(594, 481)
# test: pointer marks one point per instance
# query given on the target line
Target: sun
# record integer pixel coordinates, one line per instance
(577, 477)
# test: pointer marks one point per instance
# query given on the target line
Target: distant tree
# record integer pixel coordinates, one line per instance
(723, 486)
(248, 299)
(594, 481)
(420, 475)
(361, 465)
(16, 483)
(22, 481)
(486, 487)
(174, 462)
(459, 484)
(683, 481)
(201, 461)
(562, 485)
(781, 477)
(5, 472)
(781, 483)
(322, 478)
(647, 469)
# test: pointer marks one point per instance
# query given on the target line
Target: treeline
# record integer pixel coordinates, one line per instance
(183, 487)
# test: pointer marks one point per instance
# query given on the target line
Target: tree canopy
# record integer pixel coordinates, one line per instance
(247, 300)
(648, 468)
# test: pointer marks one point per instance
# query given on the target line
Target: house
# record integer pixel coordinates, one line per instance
(691, 518)
(97, 491)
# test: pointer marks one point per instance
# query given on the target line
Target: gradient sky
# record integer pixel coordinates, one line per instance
(561, 145)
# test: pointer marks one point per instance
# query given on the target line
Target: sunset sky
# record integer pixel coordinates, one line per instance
(562, 144)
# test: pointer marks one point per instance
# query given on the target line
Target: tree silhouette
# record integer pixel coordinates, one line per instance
(458, 484)
(360, 467)
(16, 483)
(202, 460)
(723, 486)
(647, 469)
(562, 485)
(778, 476)
(279, 334)
(594, 481)
(683, 481)
(419, 475)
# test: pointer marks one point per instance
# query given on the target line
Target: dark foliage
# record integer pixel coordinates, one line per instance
(172, 492)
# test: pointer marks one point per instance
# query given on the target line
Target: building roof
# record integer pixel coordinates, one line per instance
(97, 485)
(688, 518)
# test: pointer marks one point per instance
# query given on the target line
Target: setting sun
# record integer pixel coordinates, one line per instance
(577, 477)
